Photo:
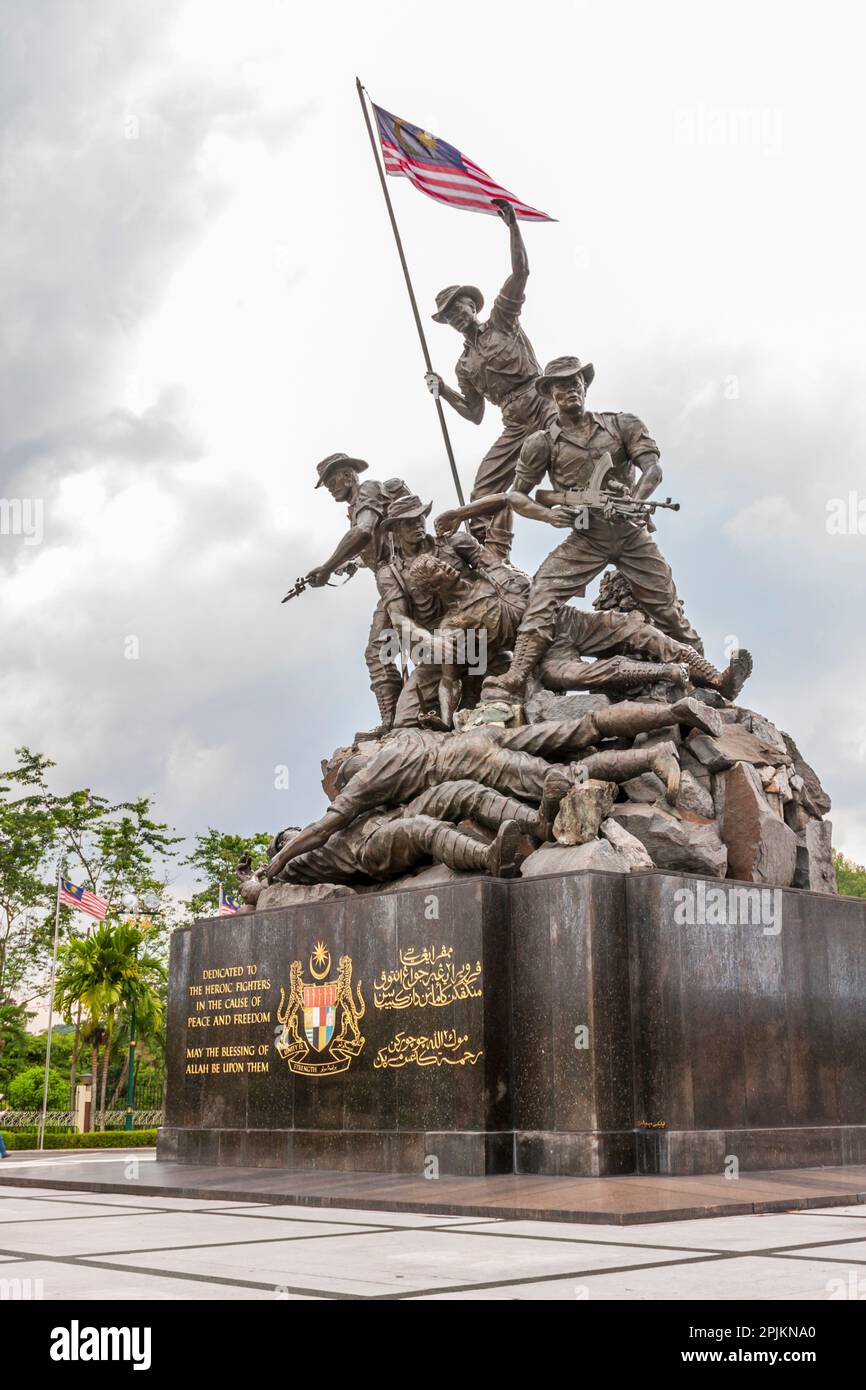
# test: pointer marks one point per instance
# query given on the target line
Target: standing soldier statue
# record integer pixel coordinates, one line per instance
(366, 543)
(497, 365)
(576, 445)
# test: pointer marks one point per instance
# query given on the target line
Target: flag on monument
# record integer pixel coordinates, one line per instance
(441, 171)
(83, 900)
(228, 905)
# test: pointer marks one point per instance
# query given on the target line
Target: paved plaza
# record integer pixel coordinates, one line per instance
(73, 1243)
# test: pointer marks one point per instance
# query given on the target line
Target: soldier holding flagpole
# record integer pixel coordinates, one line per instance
(498, 364)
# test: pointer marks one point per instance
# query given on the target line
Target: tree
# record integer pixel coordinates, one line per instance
(118, 852)
(27, 1089)
(28, 831)
(103, 973)
(14, 1042)
(215, 857)
(850, 877)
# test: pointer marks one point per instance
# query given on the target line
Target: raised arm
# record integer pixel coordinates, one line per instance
(515, 285)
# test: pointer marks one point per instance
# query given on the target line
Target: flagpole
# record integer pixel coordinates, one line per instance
(50, 1011)
(418, 324)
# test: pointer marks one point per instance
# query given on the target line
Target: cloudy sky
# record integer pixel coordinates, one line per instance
(202, 298)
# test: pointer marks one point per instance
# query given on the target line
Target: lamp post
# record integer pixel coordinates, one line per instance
(151, 904)
(130, 1084)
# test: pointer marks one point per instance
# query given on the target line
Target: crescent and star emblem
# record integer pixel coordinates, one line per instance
(321, 957)
(423, 137)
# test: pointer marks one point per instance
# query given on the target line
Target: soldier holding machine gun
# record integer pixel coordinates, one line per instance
(591, 461)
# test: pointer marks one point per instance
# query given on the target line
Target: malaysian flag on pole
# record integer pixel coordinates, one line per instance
(441, 171)
(228, 905)
(83, 900)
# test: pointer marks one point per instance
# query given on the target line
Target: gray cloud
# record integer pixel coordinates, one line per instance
(180, 523)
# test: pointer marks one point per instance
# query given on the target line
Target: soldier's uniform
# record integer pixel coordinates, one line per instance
(415, 760)
(618, 626)
(567, 451)
(605, 635)
(382, 844)
(369, 509)
(500, 366)
(494, 603)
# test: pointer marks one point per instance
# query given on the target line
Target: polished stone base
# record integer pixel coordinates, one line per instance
(585, 1025)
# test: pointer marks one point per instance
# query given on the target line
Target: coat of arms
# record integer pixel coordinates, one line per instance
(308, 1018)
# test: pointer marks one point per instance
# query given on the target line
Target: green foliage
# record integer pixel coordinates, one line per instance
(15, 1043)
(28, 831)
(850, 877)
(103, 1139)
(108, 973)
(215, 859)
(26, 1089)
(62, 1036)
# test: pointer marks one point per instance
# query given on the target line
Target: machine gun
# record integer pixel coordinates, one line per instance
(614, 506)
(613, 501)
(302, 583)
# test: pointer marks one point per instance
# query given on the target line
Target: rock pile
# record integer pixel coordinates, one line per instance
(749, 806)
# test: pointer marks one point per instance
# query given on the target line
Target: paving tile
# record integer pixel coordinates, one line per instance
(736, 1280)
(858, 1210)
(130, 1202)
(70, 1281)
(35, 1209)
(853, 1252)
(152, 1231)
(394, 1262)
(511, 1196)
(359, 1216)
(755, 1232)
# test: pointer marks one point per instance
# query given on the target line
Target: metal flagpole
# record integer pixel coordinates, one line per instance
(383, 180)
(50, 1010)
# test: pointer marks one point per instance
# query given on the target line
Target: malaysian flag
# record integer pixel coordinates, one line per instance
(441, 171)
(228, 905)
(83, 900)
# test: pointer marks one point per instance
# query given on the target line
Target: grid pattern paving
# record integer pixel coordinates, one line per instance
(96, 1246)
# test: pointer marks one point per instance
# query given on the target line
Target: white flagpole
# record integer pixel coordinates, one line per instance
(50, 1010)
(220, 903)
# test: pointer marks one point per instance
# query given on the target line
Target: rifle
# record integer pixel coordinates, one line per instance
(302, 583)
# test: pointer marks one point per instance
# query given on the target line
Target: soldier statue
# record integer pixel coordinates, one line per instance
(497, 364)
(568, 450)
(366, 543)
(511, 761)
(616, 633)
(455, 583)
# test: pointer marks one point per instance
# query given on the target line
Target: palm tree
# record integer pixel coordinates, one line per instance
(103, 973)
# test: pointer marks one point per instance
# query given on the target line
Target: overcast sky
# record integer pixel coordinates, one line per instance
(201, 298)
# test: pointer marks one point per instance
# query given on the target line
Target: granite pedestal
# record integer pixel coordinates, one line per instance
(578, 1024)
